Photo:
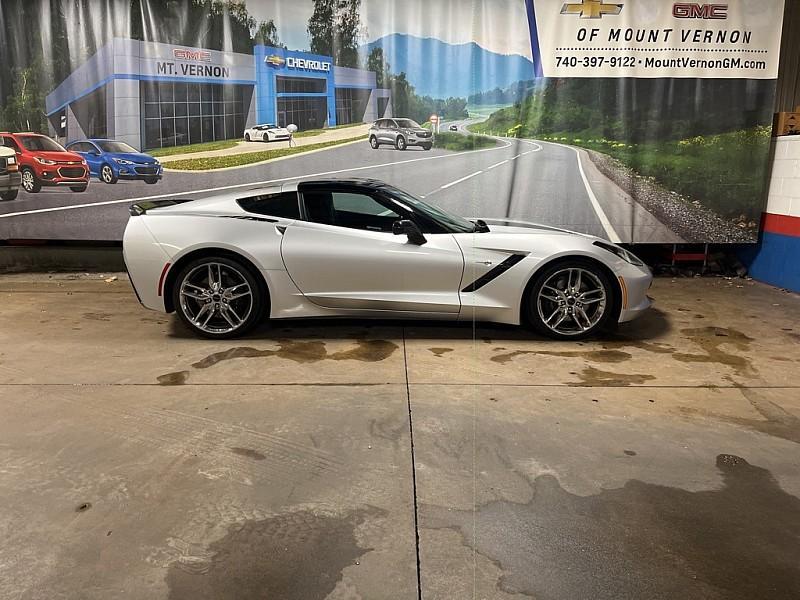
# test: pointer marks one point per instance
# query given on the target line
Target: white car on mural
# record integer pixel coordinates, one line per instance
(266, 133)
(362, 248)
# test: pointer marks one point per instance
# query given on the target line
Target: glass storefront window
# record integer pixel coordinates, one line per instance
(167, 106)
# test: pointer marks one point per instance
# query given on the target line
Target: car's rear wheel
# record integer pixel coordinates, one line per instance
(30, 183)
(218, 297)
(571, 300)
(373, 142)
(78, 188)
(400, 144)
(9, 195)
(107, 174)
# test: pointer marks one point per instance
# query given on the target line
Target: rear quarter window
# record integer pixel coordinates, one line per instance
(284, 205)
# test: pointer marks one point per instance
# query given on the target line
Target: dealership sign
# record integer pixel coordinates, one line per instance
(294, 62)
(656, 38)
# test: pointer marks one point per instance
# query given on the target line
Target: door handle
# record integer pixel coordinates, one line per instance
(280, 229)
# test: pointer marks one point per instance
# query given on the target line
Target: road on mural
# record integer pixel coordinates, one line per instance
(518, 179)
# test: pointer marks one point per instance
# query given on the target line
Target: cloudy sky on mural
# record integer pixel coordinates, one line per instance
(497, 25)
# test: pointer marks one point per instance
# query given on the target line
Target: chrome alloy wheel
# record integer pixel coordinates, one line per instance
(107, 174)
(28, 180)
(572, 301)
(216, 298)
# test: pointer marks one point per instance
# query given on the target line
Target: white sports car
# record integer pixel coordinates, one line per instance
(362, 248)
(266, 133)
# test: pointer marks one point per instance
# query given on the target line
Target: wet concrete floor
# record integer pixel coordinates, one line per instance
(661, 461)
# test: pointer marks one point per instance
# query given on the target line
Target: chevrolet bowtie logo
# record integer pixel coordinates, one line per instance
(591, 9)
(275, 60)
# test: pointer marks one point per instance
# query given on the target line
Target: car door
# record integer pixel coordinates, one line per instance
(345, 256)
(389, 131)
(94, 157)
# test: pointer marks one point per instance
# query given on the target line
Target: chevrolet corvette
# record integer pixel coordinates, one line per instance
(361, 248)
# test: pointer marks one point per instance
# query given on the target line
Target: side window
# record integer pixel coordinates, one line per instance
(9, 142)
(283, 205)
(391, 124)
(349, 209)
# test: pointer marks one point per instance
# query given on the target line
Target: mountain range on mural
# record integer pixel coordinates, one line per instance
(436, 68)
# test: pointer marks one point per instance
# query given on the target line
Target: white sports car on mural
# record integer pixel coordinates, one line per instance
(362, 248)
(266, 133)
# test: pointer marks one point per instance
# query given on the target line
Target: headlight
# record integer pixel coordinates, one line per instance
(122, 161)
(11, 160)
(629, 257)
(83, 162)
(44, 161)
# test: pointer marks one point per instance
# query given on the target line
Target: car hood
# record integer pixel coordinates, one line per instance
(59, 156)
(137, 157)
(522, 236)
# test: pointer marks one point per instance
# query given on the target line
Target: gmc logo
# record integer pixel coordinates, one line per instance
(699, 11)
(195, 55)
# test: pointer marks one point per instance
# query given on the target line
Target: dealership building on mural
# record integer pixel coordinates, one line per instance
(152, 95)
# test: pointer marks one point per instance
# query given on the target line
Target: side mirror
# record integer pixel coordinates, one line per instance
(410, 229)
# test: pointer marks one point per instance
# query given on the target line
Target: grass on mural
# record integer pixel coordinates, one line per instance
(192, 148)
(310, 132)
(240, 160)
(461, 142)
(724, 172)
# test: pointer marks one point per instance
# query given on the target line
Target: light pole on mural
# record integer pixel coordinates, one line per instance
(434, 119)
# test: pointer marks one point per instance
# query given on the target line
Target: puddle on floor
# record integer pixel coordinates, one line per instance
(595, 377)
(298, 351)
(603, 356)
(293, 556)
(711, 340)
(641, 540)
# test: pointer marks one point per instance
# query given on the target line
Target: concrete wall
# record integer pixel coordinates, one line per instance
(777, 258)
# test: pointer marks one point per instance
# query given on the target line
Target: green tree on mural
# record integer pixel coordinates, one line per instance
(23, 110)
(334, 30)
(267, 34)
(376, 63)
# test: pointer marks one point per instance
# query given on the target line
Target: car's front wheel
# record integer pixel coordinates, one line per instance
(571, 300)
(427, 147)
(107, 174)
(400, 144)
(78, 188)
(246, 137)
(9, 195)
(373, 142)
(151, 180)
(29, 181)
(218, 297)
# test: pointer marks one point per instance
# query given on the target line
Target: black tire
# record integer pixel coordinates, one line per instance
(400, 143)
(246, 137)
(30, 183)
(151, 180)
(592, 276)
(427, 147)
(257, 288)
(107, 174)
(373, 142)
(78, 188)
(9, 195)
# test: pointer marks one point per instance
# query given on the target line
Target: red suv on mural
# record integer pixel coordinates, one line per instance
(44, 162)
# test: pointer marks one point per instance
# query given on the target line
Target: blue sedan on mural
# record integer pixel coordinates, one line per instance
(110, 161)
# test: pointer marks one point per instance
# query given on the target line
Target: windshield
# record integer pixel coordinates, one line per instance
(407, 123)
(115, 147)
(451, 223)
(39, 143)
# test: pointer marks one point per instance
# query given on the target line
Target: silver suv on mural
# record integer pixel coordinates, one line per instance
(400, 133)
